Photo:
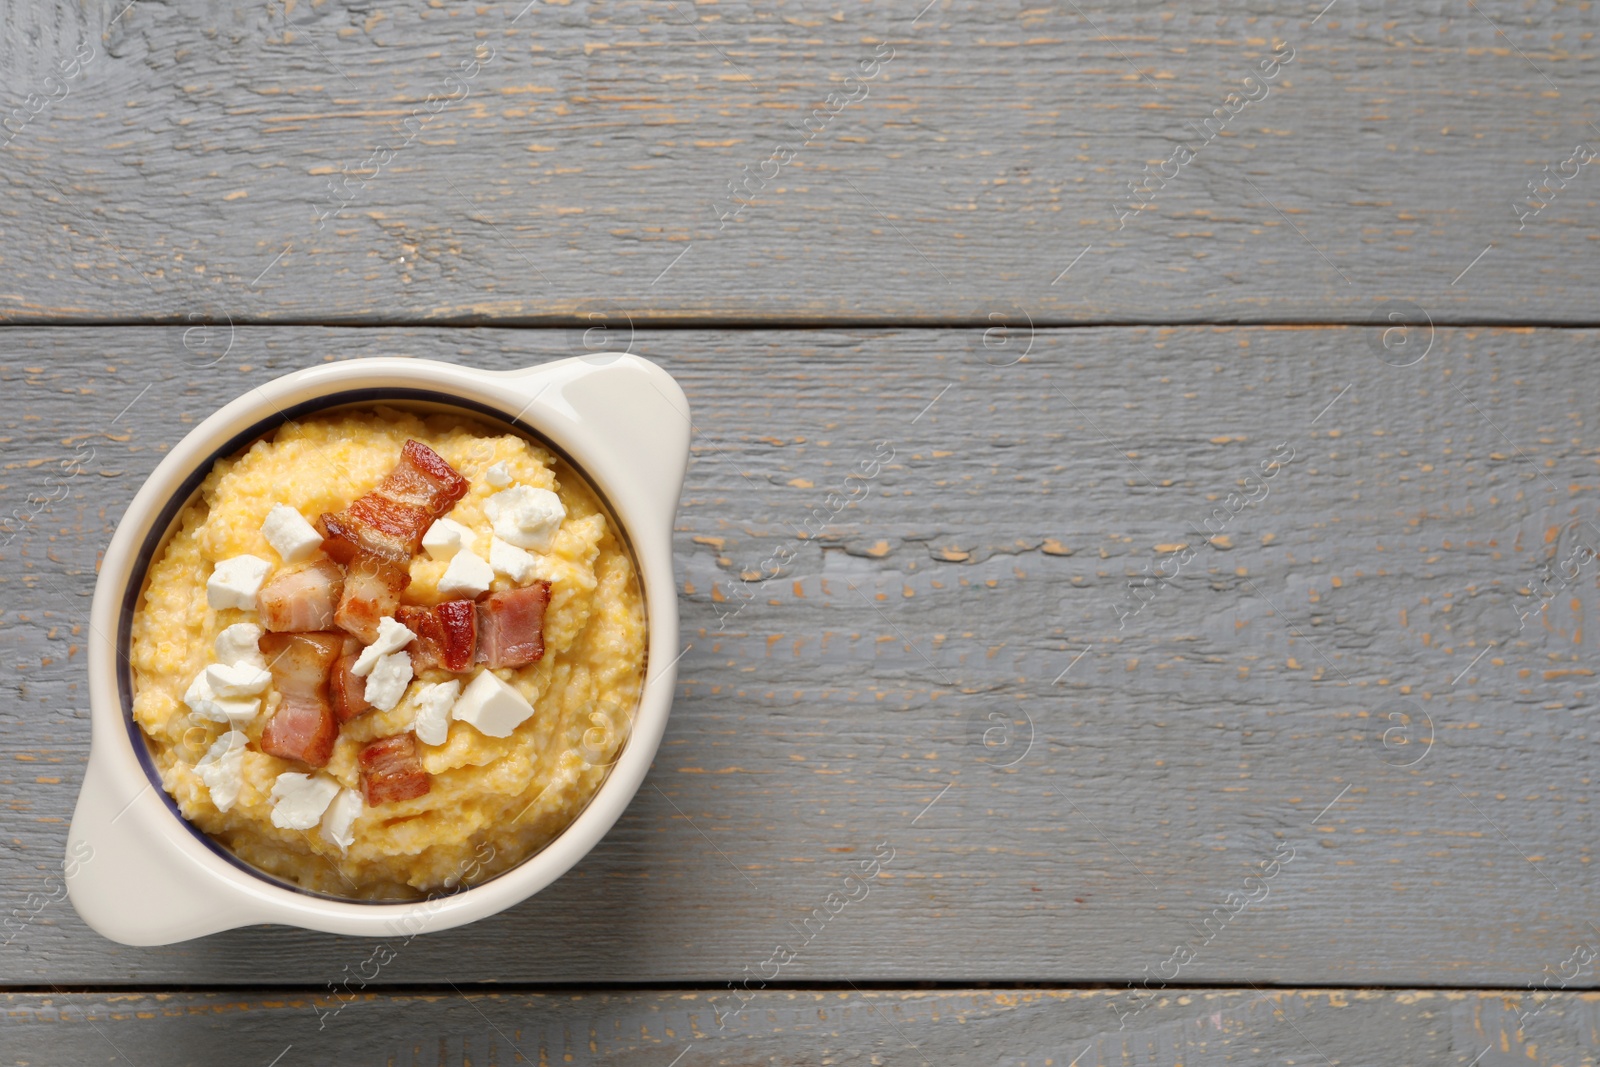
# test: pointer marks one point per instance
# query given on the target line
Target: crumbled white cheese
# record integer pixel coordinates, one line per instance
(525, 516)
(199, 691)
(204, 702)
(235, 582)
(445, 538)
(240, 643)
(239, 680)
(512, 562)
(298, 800)
(492, 706)
(341, 816)
(392, 637)
(388, 680)
(467, 576)
(497, 476)
(221, 768)
(290, 535)
(432, 722)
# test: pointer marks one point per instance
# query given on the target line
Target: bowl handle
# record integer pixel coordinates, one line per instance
(634, 413)
(125, 876)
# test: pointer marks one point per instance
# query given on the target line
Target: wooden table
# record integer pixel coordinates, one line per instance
(1212, 654)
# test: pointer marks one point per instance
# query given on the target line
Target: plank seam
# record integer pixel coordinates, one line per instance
(817, 986)
(752, 325)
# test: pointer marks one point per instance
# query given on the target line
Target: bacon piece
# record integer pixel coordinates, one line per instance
(511, 626)
(427, 651)
(372, 588)
(447, 636)
(389, 521)
(460, 619)
(303, 728)
(301, 598)
(391, 770)
(348, 691)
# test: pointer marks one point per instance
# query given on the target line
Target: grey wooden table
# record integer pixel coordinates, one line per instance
(1214, 655)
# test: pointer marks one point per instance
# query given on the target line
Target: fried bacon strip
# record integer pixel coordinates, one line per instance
(511, 626)
(303, 727)
(377, 534)
(447, 635)
(391, 770)
(347, 690)
(301, 598)
(389, 521)
(372, 588)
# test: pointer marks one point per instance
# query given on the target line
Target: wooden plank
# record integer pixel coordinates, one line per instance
(1020, 1028)
(884, 689)
(585, 164)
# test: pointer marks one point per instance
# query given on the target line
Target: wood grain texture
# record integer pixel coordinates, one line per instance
(1340, 677)
(1023, 1028)
(185, 168)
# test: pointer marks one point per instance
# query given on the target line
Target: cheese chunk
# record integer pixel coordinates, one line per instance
(511, 561)
(199, 692)
(392, 637)
(222, 768)
(525, 516)
(239, 680)
(240, 643)
(204, 702)
(298, 800)
(491, 706)
(388, 680)
(235, 582)
(338, 823)
(497, 476)
(445, 538)
(432, 721)
(290, 535)
(467, 576)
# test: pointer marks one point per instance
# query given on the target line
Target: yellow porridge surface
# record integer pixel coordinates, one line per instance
(493, 801)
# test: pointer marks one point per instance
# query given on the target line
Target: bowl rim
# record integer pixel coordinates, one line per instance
(560, 421)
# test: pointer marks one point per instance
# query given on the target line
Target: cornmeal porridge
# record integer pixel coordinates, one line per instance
(384, 654)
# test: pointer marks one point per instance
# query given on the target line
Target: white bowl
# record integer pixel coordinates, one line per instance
(141, 874)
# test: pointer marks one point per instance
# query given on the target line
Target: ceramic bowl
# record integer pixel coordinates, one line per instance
(140, 873)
